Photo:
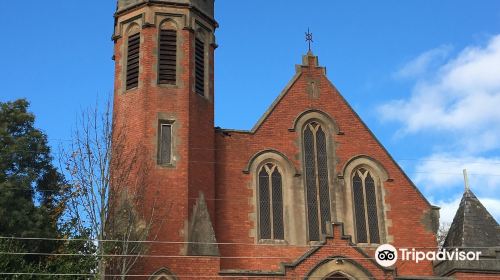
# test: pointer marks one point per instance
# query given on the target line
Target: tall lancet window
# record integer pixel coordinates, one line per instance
(316, 176)
(270, 203)
(365, 207)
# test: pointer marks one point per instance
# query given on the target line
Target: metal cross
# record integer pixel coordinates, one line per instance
(309, 38)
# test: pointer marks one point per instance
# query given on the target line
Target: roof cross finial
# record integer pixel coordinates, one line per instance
(466, 179)
(309, 38)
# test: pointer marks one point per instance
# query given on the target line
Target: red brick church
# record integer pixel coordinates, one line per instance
(307, 193)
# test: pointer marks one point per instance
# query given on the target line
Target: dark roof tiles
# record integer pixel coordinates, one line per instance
(473, 226)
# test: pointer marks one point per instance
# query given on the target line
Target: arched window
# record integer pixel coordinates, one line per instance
(133, 57)
(167, 53)
(270, 202)
(365, 207)
(316, 178)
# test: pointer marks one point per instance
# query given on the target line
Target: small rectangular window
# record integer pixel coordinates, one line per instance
(200, 67)
(133, 48)
(164, 143)
(167, 57)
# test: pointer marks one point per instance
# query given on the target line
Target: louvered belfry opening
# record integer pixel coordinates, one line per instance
(199, 67)
(365, 207)
(316, 179)
(133, 52)
(270, 190)
(167, 57)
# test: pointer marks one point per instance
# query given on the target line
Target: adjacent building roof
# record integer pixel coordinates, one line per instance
(473, 225)
(473, 229)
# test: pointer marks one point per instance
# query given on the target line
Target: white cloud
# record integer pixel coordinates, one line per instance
(449, 208)
(463, 95)
(493, 206)
(420, 65)
(444, 171)
(441, 176)
(457, 99)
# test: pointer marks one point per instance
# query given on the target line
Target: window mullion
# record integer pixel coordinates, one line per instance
(365, 205)
(271, 212)
(316, 165)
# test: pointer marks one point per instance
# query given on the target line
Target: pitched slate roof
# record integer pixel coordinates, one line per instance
(473, 225)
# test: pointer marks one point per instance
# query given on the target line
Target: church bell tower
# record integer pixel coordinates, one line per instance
(164, 100)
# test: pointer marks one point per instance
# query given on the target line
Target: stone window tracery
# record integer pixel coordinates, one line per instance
(365, 207)
(316, 179)
(270, 201)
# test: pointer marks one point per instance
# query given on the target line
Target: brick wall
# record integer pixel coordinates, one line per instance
(213, 164)
(407, 206)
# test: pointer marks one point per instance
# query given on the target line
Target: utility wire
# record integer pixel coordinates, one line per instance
(181, 256)
(396, 159)
(224, 243)
(198, 276)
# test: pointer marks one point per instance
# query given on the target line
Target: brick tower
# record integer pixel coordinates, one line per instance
(308, 193)
(164, 101)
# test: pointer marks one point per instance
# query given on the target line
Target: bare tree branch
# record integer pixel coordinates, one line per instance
(107, 182)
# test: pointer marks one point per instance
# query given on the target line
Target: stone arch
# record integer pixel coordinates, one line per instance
(169, 23)
(367, 161)
(163, 274)
(338, 265)
(132, 29)
(292, 196)
(270, 153)
(202, 34)
(321, 116)
(379, 175)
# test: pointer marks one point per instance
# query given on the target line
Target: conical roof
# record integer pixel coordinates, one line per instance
(473, 226)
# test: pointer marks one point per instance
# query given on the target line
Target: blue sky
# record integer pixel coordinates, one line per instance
(424, 75)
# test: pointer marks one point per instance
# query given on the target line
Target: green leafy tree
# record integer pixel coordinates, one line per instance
(33, 198)
(30, 186)
(14, 263)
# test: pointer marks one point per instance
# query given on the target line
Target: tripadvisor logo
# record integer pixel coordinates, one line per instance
(386, 255)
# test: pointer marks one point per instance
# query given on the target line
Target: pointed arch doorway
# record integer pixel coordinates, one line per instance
(338, 268)
(337, 276)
